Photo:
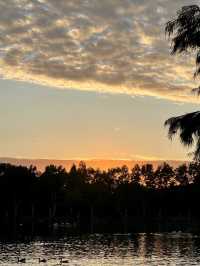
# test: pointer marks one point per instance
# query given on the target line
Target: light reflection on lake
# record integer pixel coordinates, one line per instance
(107, 250)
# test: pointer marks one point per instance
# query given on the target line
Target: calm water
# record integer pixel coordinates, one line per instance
(136, 249)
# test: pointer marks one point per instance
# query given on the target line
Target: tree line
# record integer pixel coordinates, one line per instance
(84, 199)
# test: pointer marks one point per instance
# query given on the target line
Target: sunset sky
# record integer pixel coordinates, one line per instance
(91, 79)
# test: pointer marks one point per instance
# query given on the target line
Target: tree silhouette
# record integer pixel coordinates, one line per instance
(148, 175)
(164, 176)
(95, 200)
(184, 31)
(136, 174)
(182, 176)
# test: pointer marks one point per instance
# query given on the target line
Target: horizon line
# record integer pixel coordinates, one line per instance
(94, 159)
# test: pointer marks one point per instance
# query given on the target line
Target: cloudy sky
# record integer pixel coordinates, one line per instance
(90, 79)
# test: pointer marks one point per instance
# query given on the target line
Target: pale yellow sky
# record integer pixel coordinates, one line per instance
(41, 122)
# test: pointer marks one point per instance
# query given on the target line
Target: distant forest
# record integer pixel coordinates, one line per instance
(142, 199)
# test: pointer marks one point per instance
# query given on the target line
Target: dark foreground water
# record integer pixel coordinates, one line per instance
(92, 250)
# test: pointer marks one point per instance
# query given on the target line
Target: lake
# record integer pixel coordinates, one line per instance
(107, 250)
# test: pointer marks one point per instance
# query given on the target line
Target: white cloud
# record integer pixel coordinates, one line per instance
(109, 46)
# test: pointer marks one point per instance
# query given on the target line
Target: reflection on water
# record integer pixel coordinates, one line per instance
(133, 249)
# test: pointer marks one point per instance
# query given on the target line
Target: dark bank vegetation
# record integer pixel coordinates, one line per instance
(88, 200)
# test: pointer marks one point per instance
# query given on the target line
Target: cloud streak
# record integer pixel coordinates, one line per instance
(110, 46)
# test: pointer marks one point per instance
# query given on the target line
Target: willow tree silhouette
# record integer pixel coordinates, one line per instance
(184, 32)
